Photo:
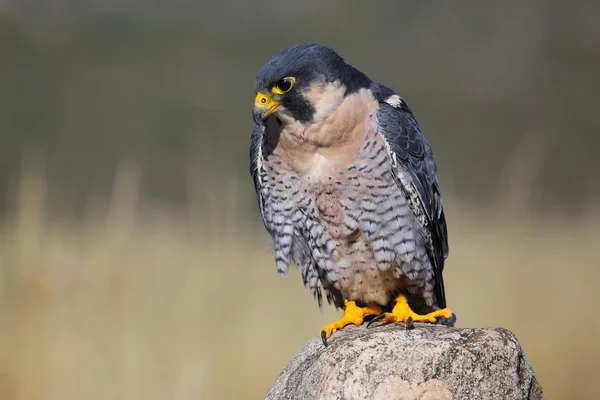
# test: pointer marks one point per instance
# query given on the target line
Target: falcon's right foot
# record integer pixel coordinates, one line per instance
(352, 315)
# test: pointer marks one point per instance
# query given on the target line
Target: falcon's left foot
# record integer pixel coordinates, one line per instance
(402, 313)
(352, 315)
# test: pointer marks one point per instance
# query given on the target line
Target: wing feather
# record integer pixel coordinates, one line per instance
(415, 172)
(256, 169)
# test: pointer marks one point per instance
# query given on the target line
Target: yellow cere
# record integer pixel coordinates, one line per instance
(262, 99)
(266, 102)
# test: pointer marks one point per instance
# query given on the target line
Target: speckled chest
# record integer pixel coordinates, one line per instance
(346, 212)
(319, 194)
(327, 186)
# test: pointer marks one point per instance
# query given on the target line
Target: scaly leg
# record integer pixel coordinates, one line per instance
(352, 315)
(402, 313)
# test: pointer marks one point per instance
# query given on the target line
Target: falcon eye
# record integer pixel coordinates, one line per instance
(284, 85)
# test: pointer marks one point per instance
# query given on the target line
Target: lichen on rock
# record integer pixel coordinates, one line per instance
(426, 362)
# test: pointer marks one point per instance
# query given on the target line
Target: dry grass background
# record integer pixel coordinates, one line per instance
(145, 301)
(155, 306)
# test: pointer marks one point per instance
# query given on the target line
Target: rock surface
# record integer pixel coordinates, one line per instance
(426, 362)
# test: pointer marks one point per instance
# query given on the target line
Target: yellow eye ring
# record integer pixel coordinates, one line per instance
(284, 85)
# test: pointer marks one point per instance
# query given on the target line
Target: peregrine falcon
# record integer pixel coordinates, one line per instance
(347, 190)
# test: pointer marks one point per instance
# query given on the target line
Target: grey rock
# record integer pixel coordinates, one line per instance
(426, 362)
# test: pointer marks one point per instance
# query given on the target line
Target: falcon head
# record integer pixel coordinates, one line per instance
(304, 83)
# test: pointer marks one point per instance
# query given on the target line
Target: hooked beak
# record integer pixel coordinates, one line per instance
(264, 105)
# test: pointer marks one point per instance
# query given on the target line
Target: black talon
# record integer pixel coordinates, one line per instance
(449, 322)
(409, 323)
(377, 318)
(452, 320)
(324, 337)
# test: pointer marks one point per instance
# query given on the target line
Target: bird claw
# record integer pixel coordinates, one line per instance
(408, 324)
(324, 337)
(352, 315)
(449, 322)
(377, 318)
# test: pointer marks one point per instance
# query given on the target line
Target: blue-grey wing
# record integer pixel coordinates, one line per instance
(412, 157)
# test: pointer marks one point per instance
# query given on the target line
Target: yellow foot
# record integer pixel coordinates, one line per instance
(352, 315)
(402, 313)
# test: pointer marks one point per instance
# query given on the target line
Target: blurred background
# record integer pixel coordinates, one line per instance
(133, 262)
